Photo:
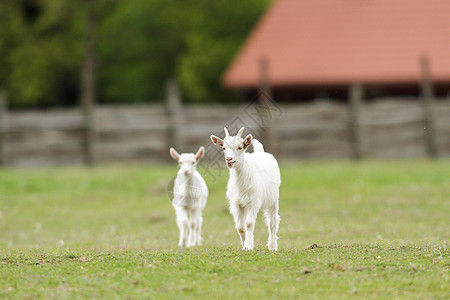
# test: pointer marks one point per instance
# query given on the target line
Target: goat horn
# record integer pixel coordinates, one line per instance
(240, 132)
(226, 132)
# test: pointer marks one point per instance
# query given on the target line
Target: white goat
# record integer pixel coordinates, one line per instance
(253, 186)
(189, 197)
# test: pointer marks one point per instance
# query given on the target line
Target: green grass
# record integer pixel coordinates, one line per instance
(365, 230)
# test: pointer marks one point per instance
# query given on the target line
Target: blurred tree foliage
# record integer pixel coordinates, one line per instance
(141, 43)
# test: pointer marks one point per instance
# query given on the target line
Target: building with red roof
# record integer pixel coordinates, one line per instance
(321, 47)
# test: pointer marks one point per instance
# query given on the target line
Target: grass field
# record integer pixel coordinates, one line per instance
(368, 230)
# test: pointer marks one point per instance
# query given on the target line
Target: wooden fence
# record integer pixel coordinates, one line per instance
(378, 128)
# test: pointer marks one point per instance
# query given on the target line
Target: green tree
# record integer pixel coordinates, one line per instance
(221, 28)
(141, 44)
(40, 50)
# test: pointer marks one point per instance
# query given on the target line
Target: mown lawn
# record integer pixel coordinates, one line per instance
(368, 230)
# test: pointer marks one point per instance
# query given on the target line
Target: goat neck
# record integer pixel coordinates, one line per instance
(242, 171)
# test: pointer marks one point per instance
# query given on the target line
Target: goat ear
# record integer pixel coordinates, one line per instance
(175, 155)
(200, 153)
(216, 140)
(247, 141)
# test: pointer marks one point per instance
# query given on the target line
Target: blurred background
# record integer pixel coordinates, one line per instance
(86, 82)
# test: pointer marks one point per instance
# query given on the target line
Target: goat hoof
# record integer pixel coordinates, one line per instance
(272, 247)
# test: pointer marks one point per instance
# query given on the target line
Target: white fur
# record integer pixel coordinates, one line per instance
(253, 186)
(190, 194)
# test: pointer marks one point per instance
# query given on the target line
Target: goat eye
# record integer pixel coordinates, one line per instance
(193, 162)
(239, 148)
(224, 148)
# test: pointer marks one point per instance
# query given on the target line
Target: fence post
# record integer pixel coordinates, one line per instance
(89, 135)
(427, 95)
(174, 114)
(3, 125)
(265, 97)
(88, 83)
(356, 97)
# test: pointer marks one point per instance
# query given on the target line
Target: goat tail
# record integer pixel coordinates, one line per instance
(257, 146)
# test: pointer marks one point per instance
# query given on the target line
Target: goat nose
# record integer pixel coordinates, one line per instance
(228, 158)
(186, 172)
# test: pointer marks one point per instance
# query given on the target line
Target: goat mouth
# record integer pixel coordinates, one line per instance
(231, 164)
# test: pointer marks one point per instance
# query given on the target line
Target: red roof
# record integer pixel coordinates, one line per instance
(318, 42)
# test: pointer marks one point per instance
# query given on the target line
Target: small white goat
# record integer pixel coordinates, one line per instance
(253, 186)
(189, 197)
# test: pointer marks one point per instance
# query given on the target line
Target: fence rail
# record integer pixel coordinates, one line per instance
(385, 128)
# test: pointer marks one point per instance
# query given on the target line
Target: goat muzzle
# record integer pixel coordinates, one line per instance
(230, 163)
